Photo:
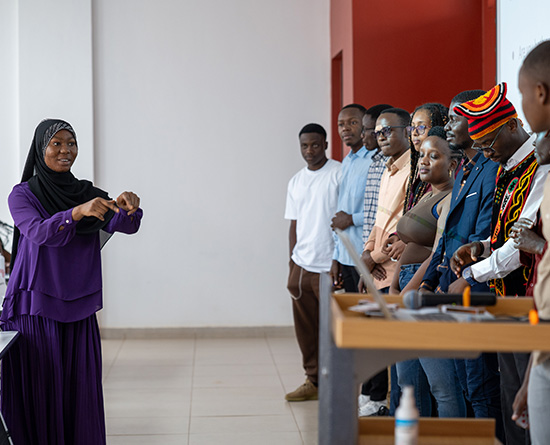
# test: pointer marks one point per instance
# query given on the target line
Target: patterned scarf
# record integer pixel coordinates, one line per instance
(512, 189)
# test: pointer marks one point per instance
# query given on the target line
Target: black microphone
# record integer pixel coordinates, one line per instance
(415, 299)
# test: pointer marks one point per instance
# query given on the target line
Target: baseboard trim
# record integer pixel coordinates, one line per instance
(202, 332)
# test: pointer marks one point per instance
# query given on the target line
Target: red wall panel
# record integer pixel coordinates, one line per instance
(406, 53)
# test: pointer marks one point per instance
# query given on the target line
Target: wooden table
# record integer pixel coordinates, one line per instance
(354, 348)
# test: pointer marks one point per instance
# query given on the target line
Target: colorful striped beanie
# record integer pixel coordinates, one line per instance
(488, 112)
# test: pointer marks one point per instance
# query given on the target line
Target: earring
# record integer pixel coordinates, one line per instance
(450, 173)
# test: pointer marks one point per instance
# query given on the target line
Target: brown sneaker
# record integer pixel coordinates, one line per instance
(307, 391)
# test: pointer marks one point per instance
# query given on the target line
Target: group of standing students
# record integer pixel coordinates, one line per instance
(436, 200)
(51, 386)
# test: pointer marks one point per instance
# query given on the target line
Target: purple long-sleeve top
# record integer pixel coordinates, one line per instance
(57, 273)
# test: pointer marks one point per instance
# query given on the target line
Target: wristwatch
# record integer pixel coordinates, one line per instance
(469, 276)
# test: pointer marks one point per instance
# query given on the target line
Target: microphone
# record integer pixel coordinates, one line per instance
(415, 299)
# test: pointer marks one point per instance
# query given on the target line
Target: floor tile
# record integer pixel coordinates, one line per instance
(267, 369)
(238, 402)
(224, 343)
(234, 357)
(147, 425)
(306, 415)
(290, 368)
(232, 351)
(148, 440)
(205, 391)
(236, 381)
(237, 424)
(281, 358)
(147, 402)
(110, 349)
(283, 344)
(310, 437)
(132, 376)
(157, 352)
(246, 439)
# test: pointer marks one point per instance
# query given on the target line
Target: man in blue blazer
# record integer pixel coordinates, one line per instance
(469, 220)
(469, 217)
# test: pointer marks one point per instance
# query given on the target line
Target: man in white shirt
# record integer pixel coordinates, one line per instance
(312, 199)
(518, 194)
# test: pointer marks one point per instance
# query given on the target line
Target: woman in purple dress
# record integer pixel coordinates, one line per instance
(51, 378)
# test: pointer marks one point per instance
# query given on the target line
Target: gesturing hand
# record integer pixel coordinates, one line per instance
(128, 201)
(97, 208)
(465, 254)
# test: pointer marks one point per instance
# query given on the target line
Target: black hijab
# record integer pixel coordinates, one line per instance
(57, 191)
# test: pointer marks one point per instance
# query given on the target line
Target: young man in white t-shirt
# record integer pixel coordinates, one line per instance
(312, 199)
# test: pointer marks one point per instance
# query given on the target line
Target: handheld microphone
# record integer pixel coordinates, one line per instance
(415, 299)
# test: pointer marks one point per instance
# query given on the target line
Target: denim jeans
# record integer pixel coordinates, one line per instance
(431, 374)
(480, 381)
(410, 372)
(406, 273)
(445, 386)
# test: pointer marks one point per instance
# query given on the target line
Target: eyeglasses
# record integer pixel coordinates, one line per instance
(386, 131)
(365, 130)
(484, 146)
(420, 129)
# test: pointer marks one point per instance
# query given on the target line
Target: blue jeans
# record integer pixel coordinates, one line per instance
(410, 372)
(431, 374)
(406, 273)
(445, 386)
(480, 381)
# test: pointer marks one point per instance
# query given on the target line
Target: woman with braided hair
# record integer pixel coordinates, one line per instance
(423, 118)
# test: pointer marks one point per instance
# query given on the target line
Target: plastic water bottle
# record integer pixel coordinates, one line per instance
(406, 419)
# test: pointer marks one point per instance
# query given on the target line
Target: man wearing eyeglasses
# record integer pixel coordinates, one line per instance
(499, 135)
(372, 187)
(393, 140)
(493, 123)
(372, 400)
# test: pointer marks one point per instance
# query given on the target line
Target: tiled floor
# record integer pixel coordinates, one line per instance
(205, 391)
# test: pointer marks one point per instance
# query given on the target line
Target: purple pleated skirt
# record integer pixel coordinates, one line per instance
(51, 389)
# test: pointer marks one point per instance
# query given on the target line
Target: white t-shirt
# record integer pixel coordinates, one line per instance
(312, 200)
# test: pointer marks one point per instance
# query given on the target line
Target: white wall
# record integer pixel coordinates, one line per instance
(197, 109)
(195, 106)
(46, 60)
(9, 127)
(521, 25)
(55, 72)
